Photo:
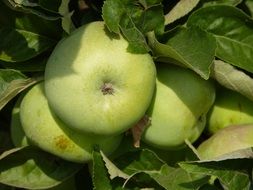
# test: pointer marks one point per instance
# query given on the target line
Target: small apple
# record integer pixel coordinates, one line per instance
(45, 130)
(179, 107)
(226, 140)
(17, 133)
(95, 85)
(230, 108)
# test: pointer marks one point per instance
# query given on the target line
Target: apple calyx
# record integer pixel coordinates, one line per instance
(107, 88)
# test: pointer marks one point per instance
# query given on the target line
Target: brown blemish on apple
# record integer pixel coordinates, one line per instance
(61, 142)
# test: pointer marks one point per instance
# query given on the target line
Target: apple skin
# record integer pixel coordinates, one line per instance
(45, 130)
(89, 61)
(230, 108)
(179, 107)
(225, 141)
(17, 133)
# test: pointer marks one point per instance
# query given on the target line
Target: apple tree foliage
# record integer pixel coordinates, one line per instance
(214, 38)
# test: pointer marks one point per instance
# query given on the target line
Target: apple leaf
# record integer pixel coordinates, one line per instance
(31, 35)
(49, 5)
(13, 82)
(112, 13)
(231, 173)
(233, 30)
(29, 22)
(209, 187)
(100, 175)
(112, 169)
(35, 64)
(27, 45)
(181, 9)
(224, 2)
(66, 20)
(147, 162)
(232, 78)
(32, 168)
(32, 7)
(177, 178)
(249, 4)
(134, 19)
(190, 47)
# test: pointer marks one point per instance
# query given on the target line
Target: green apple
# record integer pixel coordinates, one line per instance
(178, 111)
(95, 85)
(226, 140)
(45, 130)
(17, 133)
(230, 108)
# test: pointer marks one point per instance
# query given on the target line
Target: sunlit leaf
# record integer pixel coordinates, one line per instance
(233, 30)
(134, 19)
(34, 169)
(13, 82)
(181, 9)
(232, 78)
(190, 47)
(19, 45)
(231, 173)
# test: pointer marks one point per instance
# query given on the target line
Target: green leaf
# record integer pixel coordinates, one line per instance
(134, 19)
(224, 2)
(209, 187)
(231, 173)
(29, 22)
(136, 39)
(179, 179)
(100, 176)
(181, 9)
(249, 4)
(33, 8)
(50, 5)
(112, 13)
(135, 162)
(232, 78)
(32, 65)
(66, 20)
(34, 169)
(190, 47)
(13, 82)
(112, 169)
(145, 161)
(233, 30)
(27, 45)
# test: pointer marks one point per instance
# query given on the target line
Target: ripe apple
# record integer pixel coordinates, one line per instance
(17, 133)
(226, 140)
(230, 108)
(45, 130)
(95, 85)
(179, 107)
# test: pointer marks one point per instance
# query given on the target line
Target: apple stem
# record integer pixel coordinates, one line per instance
(138, 129)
